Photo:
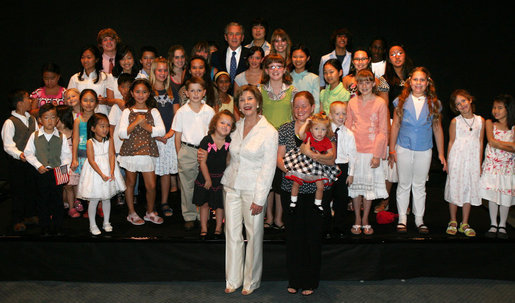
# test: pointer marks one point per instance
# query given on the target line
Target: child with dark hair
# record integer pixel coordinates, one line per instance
(148, 54)
(65, 126)
(100, 179)
(497, 178)
(47, 149)
(92, 77)
(15, 134)
(140, 124)
(208, 192)
(51, 91)
(258, 29)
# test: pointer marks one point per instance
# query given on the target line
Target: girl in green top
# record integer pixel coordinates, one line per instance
(334, 90)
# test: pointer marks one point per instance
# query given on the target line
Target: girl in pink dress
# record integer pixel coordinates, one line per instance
(367, 118)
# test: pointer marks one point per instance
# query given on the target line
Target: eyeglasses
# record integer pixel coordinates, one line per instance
(275, 67)
(360, 59)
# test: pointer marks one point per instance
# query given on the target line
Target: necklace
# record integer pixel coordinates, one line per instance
(471, 124)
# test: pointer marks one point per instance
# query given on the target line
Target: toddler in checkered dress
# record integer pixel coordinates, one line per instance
(302, 168)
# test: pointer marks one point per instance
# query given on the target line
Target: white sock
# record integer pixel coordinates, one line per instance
(503, 215)
(293, 201)
(318, 203)
(492, 209)
(92, 212)
(419, 221)
(106, 208)
(403, 219)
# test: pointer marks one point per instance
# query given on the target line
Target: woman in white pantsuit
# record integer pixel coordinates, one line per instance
(415, 120)
(247, 181)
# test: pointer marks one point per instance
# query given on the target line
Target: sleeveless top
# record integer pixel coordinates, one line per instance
(83, 138)
(140, 142)
(277, 112)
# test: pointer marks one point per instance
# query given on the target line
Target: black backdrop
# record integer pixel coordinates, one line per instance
(464, 45)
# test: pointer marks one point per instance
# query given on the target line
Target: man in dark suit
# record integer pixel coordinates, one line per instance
(233, 59)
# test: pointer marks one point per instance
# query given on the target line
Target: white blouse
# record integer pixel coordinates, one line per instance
(253, 159)
(158, 130)
(89, 82)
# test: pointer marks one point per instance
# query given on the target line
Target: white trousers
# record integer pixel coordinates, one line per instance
(242, 266)
(413, 169)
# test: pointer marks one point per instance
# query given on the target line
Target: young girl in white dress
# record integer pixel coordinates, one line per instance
(100, 179)
(464, 155)
(497, 184)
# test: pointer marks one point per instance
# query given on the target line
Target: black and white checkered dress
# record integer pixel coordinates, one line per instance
(302, 168)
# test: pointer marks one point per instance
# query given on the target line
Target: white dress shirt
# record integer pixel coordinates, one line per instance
(345, 147)
(88, 81)
(30, 149)
(253, 159)
(8, 134)
(228, 57)
(192, 126)
(158, 130)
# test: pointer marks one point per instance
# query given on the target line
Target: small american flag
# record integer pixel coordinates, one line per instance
(61, 175)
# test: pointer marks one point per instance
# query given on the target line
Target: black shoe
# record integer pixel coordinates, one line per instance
(318, 209)
(502, 235)
(203, 236)
(219, 236)
(491, 234)
(292, 210)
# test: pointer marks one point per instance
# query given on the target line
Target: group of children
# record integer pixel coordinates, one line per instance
(363, 136)
(116, 123)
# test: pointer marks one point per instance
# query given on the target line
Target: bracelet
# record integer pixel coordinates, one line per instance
(392, 152)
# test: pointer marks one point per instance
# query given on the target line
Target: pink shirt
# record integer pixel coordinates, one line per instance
(42, 98)
(369, 123)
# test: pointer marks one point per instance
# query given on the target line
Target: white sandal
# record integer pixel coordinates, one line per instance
(153, 217)
(135, 219)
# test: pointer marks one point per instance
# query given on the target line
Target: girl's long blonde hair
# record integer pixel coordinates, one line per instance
(434, 105)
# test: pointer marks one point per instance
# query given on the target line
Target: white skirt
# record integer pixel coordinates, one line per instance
(138, 163)
(368, 182)
(166, 163)
(92, 187)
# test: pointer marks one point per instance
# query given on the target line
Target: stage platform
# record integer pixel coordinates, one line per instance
(168, 253)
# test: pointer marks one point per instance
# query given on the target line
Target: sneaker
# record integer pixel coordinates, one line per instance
(73, 213)
(107, 227)
(94, 230)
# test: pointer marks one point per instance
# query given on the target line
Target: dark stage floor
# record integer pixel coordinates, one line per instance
(436, 217)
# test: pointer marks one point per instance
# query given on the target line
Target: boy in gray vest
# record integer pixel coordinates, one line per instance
(15, 134)
(46, 149)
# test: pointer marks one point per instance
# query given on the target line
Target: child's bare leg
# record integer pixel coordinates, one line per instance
(204, 217)
(130, 181)
(367, 204)
(173, 183)
(165, 188)
(319, 194)
(357, 209)
(219, 215)
(294, 193)
(453, 209)
(150, 185)
(270, 209)
(465, 213)
(278, 210)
